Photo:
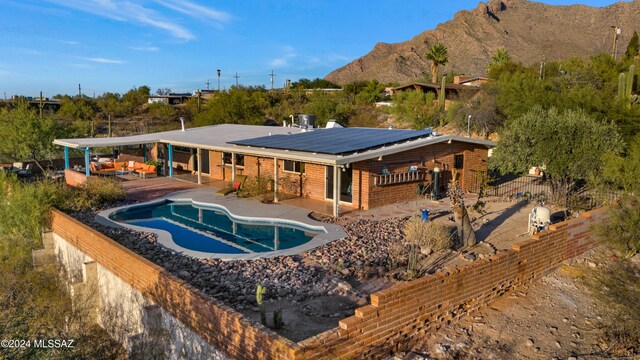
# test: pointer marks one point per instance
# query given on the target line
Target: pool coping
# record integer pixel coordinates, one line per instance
(240, 209)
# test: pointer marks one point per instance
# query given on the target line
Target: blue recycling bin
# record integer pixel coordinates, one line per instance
(425, 215)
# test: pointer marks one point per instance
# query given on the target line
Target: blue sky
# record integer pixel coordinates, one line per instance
(114, 45)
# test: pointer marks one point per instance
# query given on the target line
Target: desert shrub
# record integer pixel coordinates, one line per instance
(257, 186)
(96, 192)
(24, 207)
(616, 287)
(622, 231)
(428, 236)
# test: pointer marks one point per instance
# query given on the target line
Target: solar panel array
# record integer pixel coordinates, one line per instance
(334, 141)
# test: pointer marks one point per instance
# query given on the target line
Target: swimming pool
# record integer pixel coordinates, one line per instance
(211, 229)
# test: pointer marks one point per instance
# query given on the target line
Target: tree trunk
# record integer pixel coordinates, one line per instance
(465, 230)
(434, 72)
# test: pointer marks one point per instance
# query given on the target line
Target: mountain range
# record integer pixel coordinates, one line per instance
(531, 32)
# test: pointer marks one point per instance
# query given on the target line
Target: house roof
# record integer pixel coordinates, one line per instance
(448, 86)
(228, 138)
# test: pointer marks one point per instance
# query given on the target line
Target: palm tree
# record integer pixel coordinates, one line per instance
(438, 55)
(501, 56)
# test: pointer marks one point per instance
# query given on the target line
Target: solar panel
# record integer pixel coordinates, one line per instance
(334, 141)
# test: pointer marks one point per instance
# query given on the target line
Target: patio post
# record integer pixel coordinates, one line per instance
(66, 158)
(199, 164)
(170, 151)
(233, 167)
(144, 153)
(87, 162)
(336, 191)
(275, 179)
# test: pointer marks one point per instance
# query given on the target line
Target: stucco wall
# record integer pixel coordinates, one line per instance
(128, 316)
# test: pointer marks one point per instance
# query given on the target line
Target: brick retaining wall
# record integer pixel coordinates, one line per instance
(218, 324)
(395, 316)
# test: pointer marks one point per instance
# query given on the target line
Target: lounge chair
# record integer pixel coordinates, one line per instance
(26, 172)
(237, 185)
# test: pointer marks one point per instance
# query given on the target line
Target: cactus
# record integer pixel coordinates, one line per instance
(629, 86)
(277, 319)
(442, 92)
(621, 86)
(260, 290)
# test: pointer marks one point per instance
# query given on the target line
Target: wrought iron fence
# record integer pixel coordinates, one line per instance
(539, 188)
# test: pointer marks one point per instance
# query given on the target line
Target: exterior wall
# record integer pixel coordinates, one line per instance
(124, 311)
(440, 155)
(365, 194)
(395, 316)
(74, 178)
(424, 305)
(218, 325)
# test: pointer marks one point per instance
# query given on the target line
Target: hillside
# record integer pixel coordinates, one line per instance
(530, 31)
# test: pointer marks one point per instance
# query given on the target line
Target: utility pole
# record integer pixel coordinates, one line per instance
(237, 77)
(218, 80)
(207, 83)
(616, 31)
(273, 77)
(40, 105)
(79, 91)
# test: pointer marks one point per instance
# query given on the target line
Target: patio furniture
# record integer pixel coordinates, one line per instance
(107, 168)
(237, 185)
(17, 166)
(26, 172)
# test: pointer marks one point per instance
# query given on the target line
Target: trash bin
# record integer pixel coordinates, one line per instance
(425, 215)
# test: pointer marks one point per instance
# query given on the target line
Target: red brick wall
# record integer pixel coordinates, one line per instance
(215, 322)
(399, 313)
(74, 178)
(395, 315)
(426, 158)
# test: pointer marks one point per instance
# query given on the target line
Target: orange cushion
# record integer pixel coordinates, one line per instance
(236, 185)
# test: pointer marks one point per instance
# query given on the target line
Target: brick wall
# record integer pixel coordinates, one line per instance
(395, 316)
(440, 155)
(219, 325)
(400, 312)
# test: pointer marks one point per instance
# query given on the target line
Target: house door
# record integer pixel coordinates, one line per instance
(205, 162)
(346, 184)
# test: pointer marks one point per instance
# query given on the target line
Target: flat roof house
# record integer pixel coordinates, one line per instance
(361, 168)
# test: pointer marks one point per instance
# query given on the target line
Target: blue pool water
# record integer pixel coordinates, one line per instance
(213, 231)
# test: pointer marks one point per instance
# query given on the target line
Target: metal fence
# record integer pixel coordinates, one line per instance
(538, 188)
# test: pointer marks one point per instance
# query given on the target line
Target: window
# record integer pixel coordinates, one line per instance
(182, 149)
(226, 159)
(458, 161)
(294, 166)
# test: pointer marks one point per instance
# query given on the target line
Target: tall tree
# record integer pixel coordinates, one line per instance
(566, 143)
(633, 49)
(438, 55)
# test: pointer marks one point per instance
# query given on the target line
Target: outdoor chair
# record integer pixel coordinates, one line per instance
(17, 166)
(237, 185)
(26, 172)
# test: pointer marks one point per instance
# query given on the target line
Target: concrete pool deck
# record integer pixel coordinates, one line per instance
(243, 210)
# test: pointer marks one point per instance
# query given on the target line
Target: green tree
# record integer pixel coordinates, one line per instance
(27, 137)
(134, 99)
(633, 48)
(236, 106)
(415, 108)
(500, 57)
(565, 143)
(438, 55)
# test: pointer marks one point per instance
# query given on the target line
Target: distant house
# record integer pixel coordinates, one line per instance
(170, 99)
(475, 81)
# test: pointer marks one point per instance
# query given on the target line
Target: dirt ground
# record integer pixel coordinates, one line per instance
(554, 318)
